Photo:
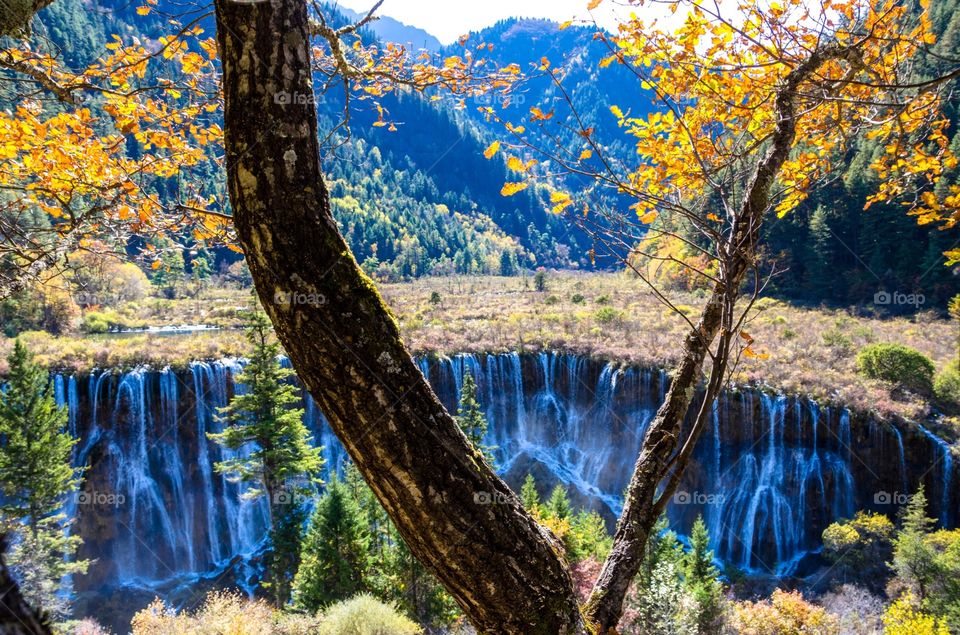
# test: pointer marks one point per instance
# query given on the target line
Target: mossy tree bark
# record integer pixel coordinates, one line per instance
(457, 516)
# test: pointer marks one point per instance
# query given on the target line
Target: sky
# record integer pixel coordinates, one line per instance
(449, 19)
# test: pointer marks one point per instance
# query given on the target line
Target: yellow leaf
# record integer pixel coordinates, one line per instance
(566, 25)
(586, 154)
(593, 4)
(509, 189)
(562, 200)
(143, 10)
(155, 264)
(649, 217)
(516, 164)
(491, 150)
(713, 217)
(616, 112)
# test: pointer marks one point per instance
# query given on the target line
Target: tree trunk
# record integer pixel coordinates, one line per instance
(657, 455)
(17, 14)
(456, 515)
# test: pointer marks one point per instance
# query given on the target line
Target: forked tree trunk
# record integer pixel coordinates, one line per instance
(457, 516)
(657, 455)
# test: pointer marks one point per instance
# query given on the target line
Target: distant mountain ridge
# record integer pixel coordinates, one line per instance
(392, 30)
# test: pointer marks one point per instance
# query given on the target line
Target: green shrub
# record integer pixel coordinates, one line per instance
(540, 280)
(578, 298)
(788, 334)
(606, 315)
(898, 364)
(603, 299)
(95, 322)
(365, 615)
(551, 300)
(946, 385)
(837, 340)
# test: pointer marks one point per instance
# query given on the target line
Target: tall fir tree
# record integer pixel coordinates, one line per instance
(394, 574)
(914, 560)
(36, 477)
(821, 276)
(701, 579)
(335, 551)
(529, 495)
(558, 504)
(277, 457)
(471, 418)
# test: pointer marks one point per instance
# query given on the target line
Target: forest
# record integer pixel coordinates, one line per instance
(644, 320)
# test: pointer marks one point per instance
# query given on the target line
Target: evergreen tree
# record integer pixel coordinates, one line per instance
(508, 263)
(698, 562)
(529, 495)
(558, 504)
(822, 274)
(471, 418)
(589, 537)
(393, 574)
(36, 477)
(914, 560)
(280, 462)
(335, 551)
(661, 596)
(701, 580)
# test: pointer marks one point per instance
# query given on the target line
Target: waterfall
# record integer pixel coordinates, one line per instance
(768, 475)
(944, 464)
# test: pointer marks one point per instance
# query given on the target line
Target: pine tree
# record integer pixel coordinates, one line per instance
(280, 462)
(334, 559)
(822, 273)
(589, 537)
(914, 560)
(36, 477)
(393, 574)
(508, 263)
(558, 504)
(529, 495)
(471, 418)
(698, 562)
(701, 579)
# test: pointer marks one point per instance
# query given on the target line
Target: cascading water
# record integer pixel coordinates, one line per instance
(768, 475)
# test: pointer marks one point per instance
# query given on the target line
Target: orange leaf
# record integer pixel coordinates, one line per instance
(509, 189)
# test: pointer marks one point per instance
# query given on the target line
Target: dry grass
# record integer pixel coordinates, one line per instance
(811, 351)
